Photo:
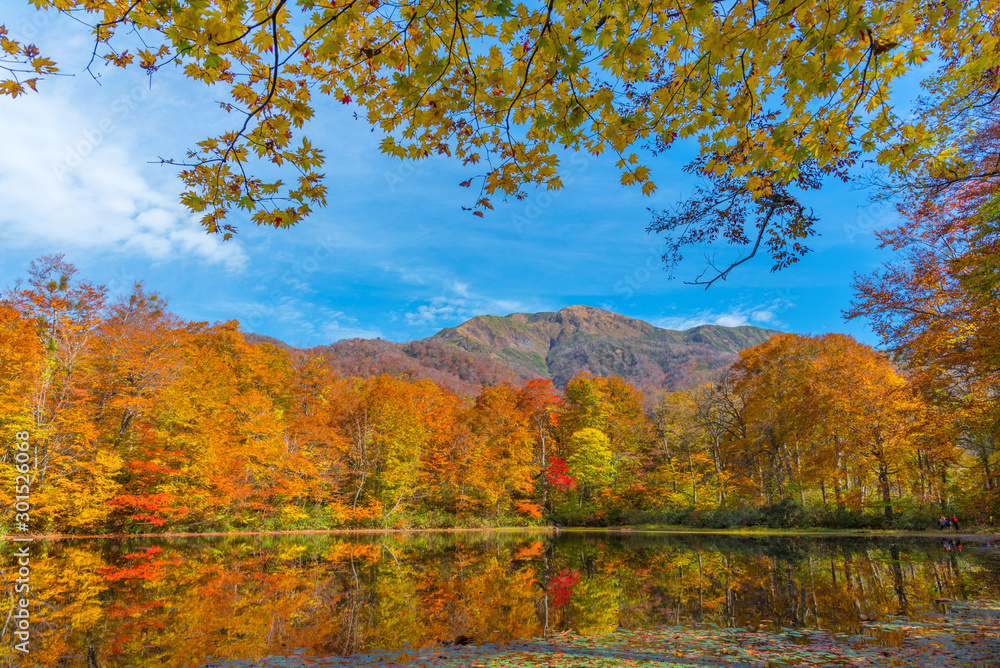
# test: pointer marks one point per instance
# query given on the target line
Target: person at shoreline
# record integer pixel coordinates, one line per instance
(954, 522)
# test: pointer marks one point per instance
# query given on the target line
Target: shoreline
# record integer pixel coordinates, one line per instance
(990, 535)
(744, 532)
(280, 532)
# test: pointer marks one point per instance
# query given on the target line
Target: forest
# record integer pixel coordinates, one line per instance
(139, 421)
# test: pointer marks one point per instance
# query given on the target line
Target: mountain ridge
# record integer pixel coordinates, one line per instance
(489, 349)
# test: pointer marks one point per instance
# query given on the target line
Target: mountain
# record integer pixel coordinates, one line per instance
(492, 349)
(458, 370)
(582, 338)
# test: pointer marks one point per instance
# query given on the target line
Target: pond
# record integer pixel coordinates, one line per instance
(505, 599)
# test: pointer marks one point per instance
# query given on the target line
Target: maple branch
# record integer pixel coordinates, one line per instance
(527, 68)
(318, 30)
(269, 17)
(773, 203)
(274, 73)
(105, 24)
(723, 274)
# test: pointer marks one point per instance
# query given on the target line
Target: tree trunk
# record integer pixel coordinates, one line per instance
(694, 484)
(883, 483)
(944, 486)
(717, 460)
(986, 470)
(545, 476)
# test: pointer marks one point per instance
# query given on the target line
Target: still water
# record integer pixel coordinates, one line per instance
(192, 602)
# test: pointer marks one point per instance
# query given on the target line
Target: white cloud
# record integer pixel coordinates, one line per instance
(336, 331)
(762, 315)
(337, 325)
(440, 309)
(457, 305)
(68, 178)
(312, 325)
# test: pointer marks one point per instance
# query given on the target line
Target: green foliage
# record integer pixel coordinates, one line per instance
(784, 515)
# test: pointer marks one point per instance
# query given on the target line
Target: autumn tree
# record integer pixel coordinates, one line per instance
(775, 97)
(540, 402)
(612, 406)
(770, 376)
(390, 424)
(213, 449)
(681, 448)
(21, 359)
(828, 410)
(501, 465)
(66, 313)
(134, 355)
(137, 352)
(591, 461)
(319, 401)
(20, 356)
(935, 305)
(719, 412)
(872, 410)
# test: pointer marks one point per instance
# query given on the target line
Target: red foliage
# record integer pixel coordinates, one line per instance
(558, 474)
(153, 508)
(561, 586)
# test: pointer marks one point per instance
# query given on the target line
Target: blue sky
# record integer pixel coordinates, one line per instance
(392, 255)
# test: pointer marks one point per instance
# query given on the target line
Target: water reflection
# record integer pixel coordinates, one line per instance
(185, 602)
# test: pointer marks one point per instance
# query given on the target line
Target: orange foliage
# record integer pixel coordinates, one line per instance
(141, 421)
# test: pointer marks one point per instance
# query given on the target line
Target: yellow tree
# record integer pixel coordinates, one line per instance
(21, 357)
(614, 407)
(871, 410)
(771, 93)
(770, 378)
(684, 448)
(828, 408)
(591, 461)
(74, 471)
(389, 427)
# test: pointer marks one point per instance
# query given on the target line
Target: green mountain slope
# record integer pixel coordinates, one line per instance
(582, 338)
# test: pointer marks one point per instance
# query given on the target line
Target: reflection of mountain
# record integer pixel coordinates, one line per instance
(489, 349)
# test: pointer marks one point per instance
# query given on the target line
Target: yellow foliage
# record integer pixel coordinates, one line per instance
(443, 79)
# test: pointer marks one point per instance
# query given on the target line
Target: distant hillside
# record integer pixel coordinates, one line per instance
(459, 370)
(581, 338)
(491, 349)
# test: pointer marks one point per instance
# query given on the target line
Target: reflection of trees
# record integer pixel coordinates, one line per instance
(178, 603)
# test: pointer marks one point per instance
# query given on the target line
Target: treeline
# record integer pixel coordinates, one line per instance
(141, 421)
